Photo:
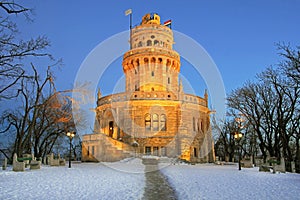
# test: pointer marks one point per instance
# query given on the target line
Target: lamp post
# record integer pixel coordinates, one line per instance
(70, 135)
(238, 136)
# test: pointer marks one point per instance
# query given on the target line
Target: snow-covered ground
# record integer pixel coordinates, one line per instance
(126, 180)
(83, 181)
(205, 181)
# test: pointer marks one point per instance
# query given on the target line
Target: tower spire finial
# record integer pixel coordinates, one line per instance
(99, 95)
(206, 94)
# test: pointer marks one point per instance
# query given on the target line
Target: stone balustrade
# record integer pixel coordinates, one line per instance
(157, 95)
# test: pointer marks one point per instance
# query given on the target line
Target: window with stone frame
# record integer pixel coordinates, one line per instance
(93, 150)
(195, 152)
(136, 87)
(148, 122)
(164, 151)
(149, 43)
(155, 122)
(140, 44)
(163, 122)
(148, 150)
(194, 124)
(155, 151)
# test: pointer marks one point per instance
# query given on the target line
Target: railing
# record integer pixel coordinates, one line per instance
(163, 95)
(152, 49)
(189, 98)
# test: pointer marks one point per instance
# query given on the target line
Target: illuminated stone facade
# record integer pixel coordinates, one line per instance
(153, 116)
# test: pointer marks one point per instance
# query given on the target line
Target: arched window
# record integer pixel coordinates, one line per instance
(111, 128)
(146, 60)
(195, 152)
(155, 122)
(140, 44)
(168, 63)
(153, 60)
(160, 60)
(194, 124)
(149, 43)
(156, 42)
(163, 123)
(147, 122)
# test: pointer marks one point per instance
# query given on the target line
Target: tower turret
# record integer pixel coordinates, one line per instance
(151, 64)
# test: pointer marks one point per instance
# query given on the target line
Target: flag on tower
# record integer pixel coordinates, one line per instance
(167, 23)
(128, 12)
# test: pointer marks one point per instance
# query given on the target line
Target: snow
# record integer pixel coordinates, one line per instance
(82, 181)
(126, 180)
(208, 181)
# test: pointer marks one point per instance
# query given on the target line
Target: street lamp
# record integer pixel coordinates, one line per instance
(238, 136)
(70, 135)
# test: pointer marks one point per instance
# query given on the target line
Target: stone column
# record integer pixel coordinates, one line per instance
(4, 165)
(293, 167)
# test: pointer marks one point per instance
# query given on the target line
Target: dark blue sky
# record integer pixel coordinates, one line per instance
(240, 36)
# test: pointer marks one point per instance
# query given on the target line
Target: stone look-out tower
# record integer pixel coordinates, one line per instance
(153, 116)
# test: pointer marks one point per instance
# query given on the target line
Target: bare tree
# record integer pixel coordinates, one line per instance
(11, 7)
(14, 50)
(271, 105)
(44, 116)
(224, 142)
(41, 114)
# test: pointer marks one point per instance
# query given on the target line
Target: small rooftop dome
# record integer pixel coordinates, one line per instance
(151, 18)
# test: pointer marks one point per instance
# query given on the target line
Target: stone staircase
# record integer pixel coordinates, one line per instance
(114, 150)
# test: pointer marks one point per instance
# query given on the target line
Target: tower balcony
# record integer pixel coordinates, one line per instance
(150, 51)
(159, 95)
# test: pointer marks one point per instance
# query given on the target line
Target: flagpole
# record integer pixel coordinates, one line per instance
(130, 30)
(129, 12)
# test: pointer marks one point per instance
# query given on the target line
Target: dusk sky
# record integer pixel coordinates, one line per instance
(240, 36)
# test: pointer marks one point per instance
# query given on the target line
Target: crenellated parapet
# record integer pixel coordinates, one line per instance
(145, 56)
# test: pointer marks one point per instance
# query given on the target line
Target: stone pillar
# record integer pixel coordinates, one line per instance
(293, 166)
(279, 168)
(18, 166)
(4, 165)
(45, 160)
(226, 158)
